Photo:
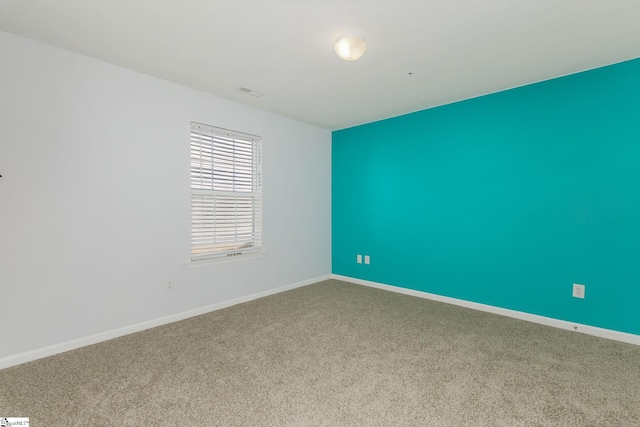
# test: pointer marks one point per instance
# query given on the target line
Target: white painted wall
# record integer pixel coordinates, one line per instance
(94, 202)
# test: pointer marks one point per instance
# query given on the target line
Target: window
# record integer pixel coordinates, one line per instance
(226, 193)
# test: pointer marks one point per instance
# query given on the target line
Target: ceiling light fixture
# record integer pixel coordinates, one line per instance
(351, 46)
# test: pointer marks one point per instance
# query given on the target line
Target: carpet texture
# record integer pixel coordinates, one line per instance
(334, 354)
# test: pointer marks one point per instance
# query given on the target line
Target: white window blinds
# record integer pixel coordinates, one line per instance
(226, 193)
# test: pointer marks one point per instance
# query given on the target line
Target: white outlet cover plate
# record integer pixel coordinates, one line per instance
(367, 259)
(359, 259)
(578, 290)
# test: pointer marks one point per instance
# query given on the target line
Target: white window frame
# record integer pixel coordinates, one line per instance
(226, 194)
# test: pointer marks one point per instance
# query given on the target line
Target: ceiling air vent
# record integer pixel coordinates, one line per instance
(251, 92)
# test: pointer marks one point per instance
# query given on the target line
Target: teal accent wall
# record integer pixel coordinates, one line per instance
(506, 199)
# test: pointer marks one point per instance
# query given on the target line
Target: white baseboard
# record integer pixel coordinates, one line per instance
(104, 336)
(548, 321)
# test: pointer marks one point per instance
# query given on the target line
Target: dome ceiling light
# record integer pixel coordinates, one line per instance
(351, 46)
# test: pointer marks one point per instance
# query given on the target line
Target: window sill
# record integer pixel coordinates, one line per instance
(223, 260)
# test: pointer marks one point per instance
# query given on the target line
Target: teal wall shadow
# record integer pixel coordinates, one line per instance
(506, 199)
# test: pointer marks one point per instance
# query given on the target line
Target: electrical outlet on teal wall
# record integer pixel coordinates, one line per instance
(507, 199)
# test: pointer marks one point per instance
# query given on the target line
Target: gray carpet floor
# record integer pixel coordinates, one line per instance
(334, 354)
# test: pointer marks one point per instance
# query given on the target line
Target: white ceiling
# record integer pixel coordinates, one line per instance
(456, 49)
